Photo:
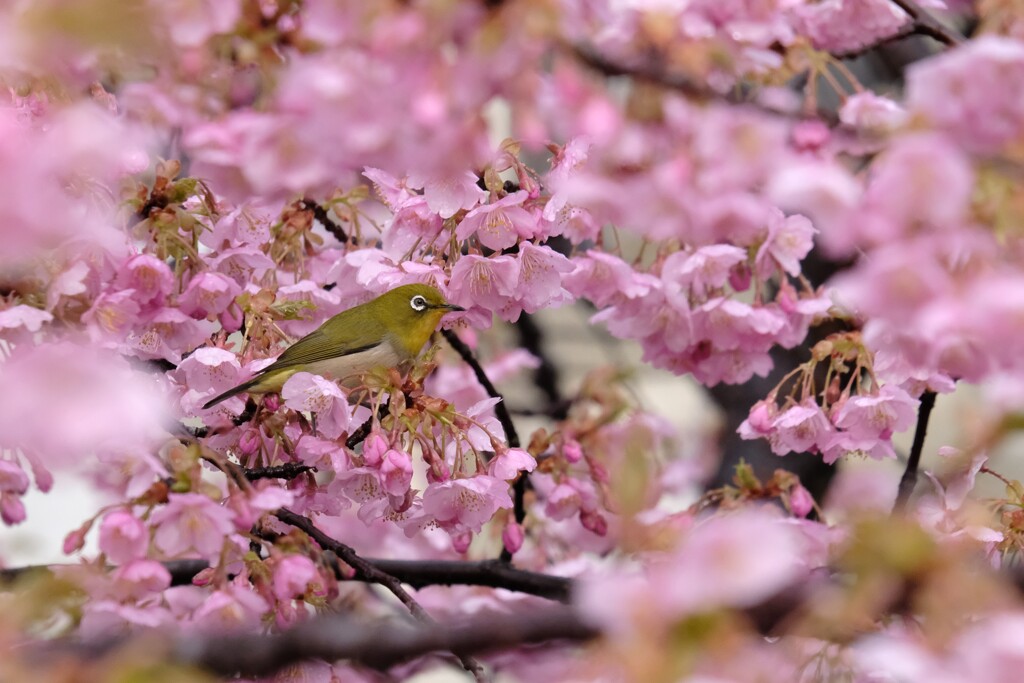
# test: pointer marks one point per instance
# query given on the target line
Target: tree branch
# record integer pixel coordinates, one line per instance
(909, 478)
(289, 470)
(321, 215)
(501, 411)
(416, 573)
(385, 644)
(369, 572)
(927, 25)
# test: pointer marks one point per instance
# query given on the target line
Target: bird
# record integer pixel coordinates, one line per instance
(385, 332)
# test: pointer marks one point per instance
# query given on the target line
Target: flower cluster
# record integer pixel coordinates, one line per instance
(192, 186)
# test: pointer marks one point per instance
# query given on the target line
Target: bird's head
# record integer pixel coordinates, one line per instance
(412, 313)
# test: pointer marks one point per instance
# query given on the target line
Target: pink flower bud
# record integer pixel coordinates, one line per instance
(374, 449)
(292, 576)
(800, 501)
(12, 510)
(512, 536)
(739, 277)
(272, 402)
(76, 538)
(595, 522)
(204, 577)
(460, 542)
(396, 472)
(572, 450)
(249, 442)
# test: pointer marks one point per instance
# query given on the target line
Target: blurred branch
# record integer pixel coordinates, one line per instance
(415, 573)
(385, 644)
(921, 23)
(378, 645)
(927, 25)
(909, 478)
(320, 213)
(371, 573)
(545, 376)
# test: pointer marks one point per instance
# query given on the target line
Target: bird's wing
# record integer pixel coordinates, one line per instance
(344, 334)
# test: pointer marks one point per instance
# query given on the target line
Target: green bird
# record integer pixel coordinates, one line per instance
(386, 332)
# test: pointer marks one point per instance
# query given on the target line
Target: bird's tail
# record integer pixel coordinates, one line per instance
(230, 392)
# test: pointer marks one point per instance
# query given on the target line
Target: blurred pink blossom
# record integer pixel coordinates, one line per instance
(191, 523)
(123, 537)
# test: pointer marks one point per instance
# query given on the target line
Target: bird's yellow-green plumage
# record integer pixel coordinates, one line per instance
(385, 332)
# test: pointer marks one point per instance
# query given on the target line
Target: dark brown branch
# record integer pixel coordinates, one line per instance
(905, 31)
(379, 645)
(289, 470)
(501, 411)
(321, 215)
(385, 644)
(363, 431)
(927, 25)
(652, 72)
(415, 573)
(491, 573)
(368, 572)
(909, 478)
(545, 377)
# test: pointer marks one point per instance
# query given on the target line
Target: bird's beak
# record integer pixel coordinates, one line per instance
(451, 307)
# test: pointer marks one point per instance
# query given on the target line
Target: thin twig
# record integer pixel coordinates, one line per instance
(321, 215)
(368, 572)
(545, 376)
(363, 431)
(504, 417)
(909, 478)
(928, 25)
(501, 409)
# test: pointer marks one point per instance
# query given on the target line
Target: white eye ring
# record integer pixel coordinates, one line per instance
(418, 303)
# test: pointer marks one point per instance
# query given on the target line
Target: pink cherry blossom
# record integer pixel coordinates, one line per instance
(191, 523)
(460, 505)
(978, 81)
(500, 224)
(17, 323)
(540, 278)
(446, 195)
(509, 463)
(396, 472)
(123, 537)
(150, 278)
(210, 295)
(789, 240)
(702, 271)
(872, 113)
(603, 279)
(292, 576)
(799, 428)
(312, 393)
(877, 416)
(490, 283)
(114, 313)
(233, 608)
(839, 26)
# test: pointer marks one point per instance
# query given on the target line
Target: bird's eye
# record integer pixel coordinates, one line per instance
(418, 303)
